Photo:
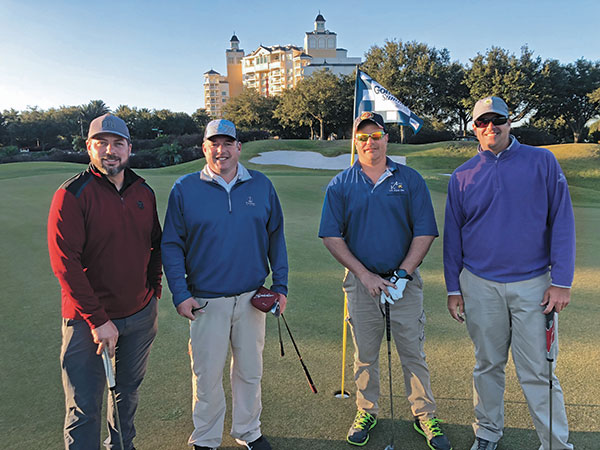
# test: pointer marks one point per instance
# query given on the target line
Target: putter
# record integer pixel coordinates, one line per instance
(110, 381)
(308, 378)
(388, 337)
(550, 336)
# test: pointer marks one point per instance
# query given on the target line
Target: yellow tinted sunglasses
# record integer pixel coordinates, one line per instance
(363, 137)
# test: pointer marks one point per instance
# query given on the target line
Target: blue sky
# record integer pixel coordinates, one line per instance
(154, 53)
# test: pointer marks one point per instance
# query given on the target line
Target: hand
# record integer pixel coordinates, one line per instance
(557, 298)
(282, 302)
(106, 335)
(456, 306)
(395, 293)
(184, 309)
(375, 284)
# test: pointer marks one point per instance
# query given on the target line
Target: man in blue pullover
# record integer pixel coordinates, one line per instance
(509, 258)
(223, 233)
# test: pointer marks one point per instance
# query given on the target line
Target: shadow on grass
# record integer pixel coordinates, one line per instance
(406, 438)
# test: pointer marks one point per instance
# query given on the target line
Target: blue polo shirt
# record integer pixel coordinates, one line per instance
(378, 221)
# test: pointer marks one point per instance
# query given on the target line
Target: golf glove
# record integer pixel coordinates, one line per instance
(395, 293)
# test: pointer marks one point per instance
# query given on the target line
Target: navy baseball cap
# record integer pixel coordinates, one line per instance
(109, 124)
(371, 117)
(220, 127)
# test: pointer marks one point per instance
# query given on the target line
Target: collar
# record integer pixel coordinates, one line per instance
(208, 175)
(130, 177)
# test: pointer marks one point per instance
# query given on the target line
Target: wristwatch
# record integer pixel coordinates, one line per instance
(401, 273)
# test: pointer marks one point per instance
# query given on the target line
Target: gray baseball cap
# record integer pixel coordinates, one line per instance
(220, 127)
(109, 124)
(490, 105)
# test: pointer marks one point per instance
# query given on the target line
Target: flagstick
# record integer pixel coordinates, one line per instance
(343, 394)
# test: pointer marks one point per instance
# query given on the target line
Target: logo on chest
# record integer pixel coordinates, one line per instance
(396, 186)
(140, 204)
(250, 201)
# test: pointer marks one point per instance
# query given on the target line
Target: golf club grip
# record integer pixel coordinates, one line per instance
(308, 377)
(388, 331)
(108, 369)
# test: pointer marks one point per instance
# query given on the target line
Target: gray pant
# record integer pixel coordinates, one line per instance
(84, 379)
(408, 331)
(500, 316)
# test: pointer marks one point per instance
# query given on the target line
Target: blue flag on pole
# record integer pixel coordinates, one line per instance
(371, 96)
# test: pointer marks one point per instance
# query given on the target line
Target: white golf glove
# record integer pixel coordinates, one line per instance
(395, 293)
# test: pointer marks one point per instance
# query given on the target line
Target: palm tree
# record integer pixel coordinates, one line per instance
(89, 112)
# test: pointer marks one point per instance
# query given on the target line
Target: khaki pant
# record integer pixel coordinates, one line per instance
(367, 323)
(227, 321)
(503, 315)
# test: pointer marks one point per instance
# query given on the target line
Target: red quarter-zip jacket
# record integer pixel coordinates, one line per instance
(104, 246)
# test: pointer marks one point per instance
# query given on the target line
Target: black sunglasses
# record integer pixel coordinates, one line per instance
(483, 123)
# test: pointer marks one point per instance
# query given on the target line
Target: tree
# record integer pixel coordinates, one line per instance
(319, 98)
(455, 102)
(514, 79)
(569, 98)
(89, 112)
(201, 118)
(252, 111)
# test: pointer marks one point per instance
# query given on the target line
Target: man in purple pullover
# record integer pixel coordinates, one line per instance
(509, 258)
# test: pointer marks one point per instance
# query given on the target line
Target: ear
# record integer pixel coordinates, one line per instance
(88, 145)
(239, 146)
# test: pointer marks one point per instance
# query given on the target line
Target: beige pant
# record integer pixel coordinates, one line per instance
(503, 315)
(226, 321)
(367, 323)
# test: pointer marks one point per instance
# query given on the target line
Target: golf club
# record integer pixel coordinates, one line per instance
(550, 336)
(280, 340)
(110, 381)
(342, 393)
(310, 381)
(388, 337)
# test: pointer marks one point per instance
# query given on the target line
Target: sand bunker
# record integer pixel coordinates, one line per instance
(309, 160)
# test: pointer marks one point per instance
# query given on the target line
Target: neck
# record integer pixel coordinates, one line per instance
(227, 177)
(374, 170)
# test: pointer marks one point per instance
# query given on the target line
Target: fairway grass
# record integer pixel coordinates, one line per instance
(32, 407)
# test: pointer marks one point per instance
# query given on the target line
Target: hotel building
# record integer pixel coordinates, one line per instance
(270, 69)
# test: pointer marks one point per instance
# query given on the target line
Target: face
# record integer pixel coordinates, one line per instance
(493, 137)
(222, 154)
(371, 151)
(109, 153)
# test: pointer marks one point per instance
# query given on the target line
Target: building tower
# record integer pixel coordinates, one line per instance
(320, 43)
(234, 66)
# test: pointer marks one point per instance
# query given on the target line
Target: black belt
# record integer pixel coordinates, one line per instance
(388, 274)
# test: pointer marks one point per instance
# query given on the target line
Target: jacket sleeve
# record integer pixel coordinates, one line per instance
(173, 248)
(453, 222)
(66, 238)
(277, 248)
(155, 263)
(562, 227)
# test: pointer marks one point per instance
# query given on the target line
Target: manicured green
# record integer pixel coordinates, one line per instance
(31, 406)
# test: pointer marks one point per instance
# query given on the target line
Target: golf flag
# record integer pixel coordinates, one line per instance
(371, 96)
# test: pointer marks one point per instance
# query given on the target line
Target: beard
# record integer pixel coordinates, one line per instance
(111, 171)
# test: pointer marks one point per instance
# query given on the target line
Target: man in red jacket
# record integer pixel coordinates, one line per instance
(104, 244)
